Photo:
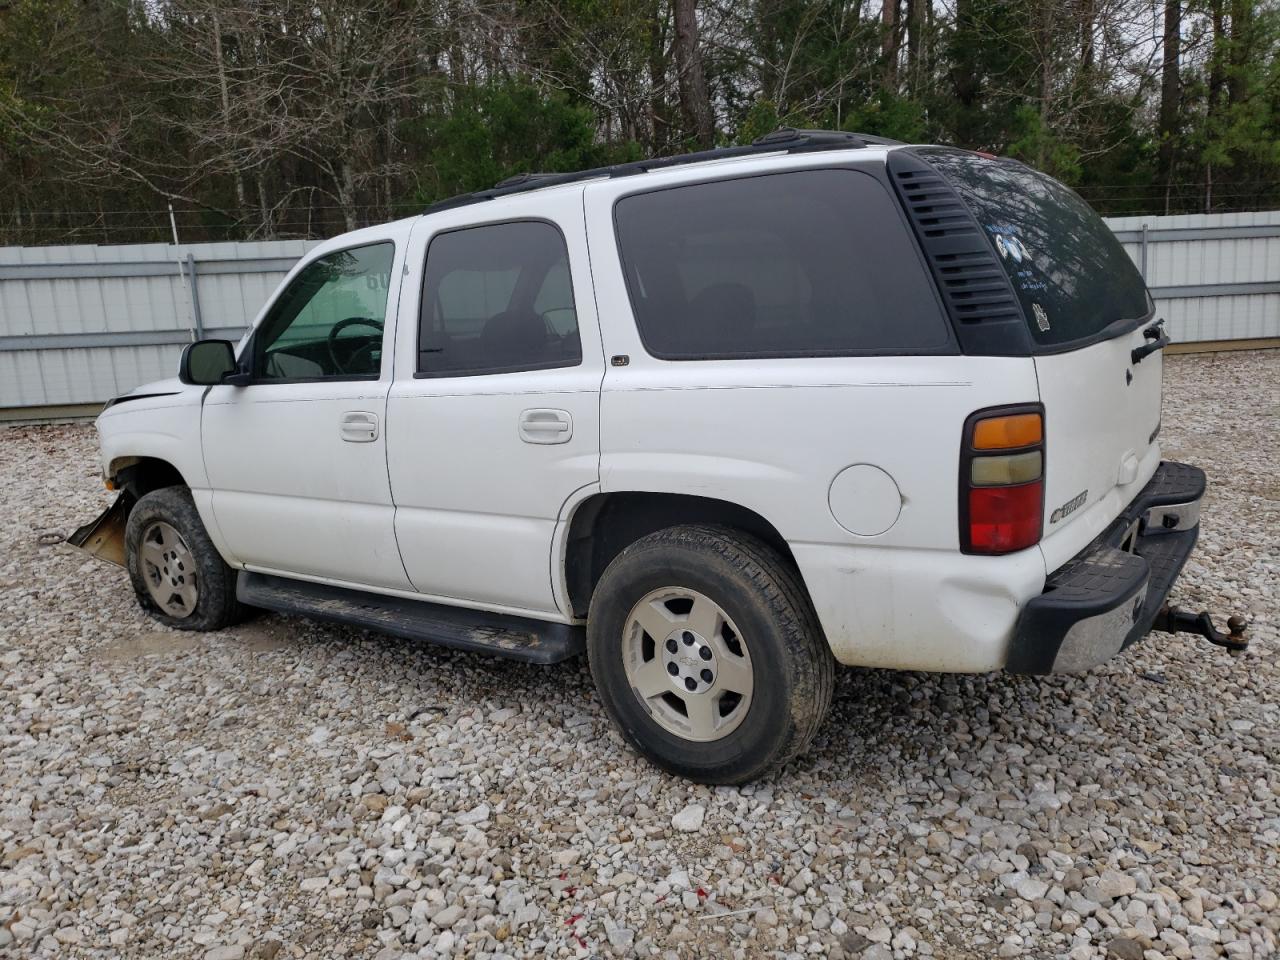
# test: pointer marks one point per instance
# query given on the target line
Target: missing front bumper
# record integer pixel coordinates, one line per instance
(104, 537)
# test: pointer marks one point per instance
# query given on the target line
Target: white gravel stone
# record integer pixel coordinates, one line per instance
(1111, 885)
(1031, 889)
(689, 820)
(336, 793)
(477, 815)
(621, 937)
(447, 917)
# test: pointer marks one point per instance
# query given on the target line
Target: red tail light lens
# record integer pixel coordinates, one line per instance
(1002, 479)
(1004, 519)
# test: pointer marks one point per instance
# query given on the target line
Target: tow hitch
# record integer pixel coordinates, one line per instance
(1173, 620)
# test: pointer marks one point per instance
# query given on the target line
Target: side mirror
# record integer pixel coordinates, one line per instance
(207, 362)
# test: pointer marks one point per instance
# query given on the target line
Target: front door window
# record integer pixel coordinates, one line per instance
(328, 322)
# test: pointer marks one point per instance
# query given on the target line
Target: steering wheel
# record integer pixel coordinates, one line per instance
(332, 341)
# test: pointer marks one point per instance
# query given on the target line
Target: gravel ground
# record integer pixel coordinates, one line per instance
(294, 789)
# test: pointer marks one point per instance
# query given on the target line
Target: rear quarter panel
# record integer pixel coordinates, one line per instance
(772, 435)
(773, 438)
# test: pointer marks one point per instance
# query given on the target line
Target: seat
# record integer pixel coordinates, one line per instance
(514, 336)
(723, 317)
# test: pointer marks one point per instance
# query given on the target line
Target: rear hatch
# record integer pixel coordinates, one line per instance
(1087, 309)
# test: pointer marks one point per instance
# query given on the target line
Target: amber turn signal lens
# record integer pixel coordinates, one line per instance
(1004, 433)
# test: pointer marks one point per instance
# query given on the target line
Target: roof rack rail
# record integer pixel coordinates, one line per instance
(784, 139)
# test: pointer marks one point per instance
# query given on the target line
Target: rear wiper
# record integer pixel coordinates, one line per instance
(1159, 340)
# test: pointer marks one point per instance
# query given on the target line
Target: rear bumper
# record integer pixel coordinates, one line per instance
(1106, 598)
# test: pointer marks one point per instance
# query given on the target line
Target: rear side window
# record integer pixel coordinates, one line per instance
(497, 299)
(1071, 274)
(811, 263)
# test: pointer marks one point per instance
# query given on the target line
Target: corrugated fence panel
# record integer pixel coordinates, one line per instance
(80, 324)
(1214, 276)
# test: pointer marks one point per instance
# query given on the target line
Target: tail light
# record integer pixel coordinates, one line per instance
(1002, 480)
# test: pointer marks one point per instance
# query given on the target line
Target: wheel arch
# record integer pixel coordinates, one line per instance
(604, 524)
(142, 474)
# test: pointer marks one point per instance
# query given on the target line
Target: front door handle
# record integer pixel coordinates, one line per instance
(544, 425)
(359, 426)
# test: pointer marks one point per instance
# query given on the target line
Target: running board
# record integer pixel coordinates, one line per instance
(516, 638)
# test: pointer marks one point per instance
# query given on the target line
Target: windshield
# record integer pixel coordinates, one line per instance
(1070, 273)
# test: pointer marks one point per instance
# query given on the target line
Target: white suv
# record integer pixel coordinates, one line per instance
(723, 420)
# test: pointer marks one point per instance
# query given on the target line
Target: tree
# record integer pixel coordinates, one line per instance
(308, 118)
(889, 42)
(1170, 93)
(695, 102)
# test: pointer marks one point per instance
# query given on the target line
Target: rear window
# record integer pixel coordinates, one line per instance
(1070, 273)
(810, 263)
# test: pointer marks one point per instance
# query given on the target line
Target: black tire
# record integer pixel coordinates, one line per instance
(762, 594)
(216, 605)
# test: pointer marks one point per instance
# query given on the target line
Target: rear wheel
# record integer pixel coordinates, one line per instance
(177, 573)
(707, 654)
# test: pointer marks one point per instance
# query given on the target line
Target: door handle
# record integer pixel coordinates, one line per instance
(1128, 468)
(543, 425)
(359, 426)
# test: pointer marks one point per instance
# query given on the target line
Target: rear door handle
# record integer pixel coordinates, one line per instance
(359, 426)
(1128, 468)
(545, 425)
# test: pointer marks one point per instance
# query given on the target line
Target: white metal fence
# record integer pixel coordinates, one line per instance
(80, 324)
(1214, 276)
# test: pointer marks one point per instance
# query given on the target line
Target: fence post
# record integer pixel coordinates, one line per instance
(1144, 253)
(195, 296)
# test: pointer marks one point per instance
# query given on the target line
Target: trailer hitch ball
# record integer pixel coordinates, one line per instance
(1173, 620)
(1235, 626)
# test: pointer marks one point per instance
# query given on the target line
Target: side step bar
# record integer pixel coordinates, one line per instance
(516, 638)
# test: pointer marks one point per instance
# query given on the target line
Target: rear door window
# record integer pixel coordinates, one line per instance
(1070, 273)
(809, 263)
(497, 299)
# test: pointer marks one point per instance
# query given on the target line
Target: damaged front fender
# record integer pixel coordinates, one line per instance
(104, 537)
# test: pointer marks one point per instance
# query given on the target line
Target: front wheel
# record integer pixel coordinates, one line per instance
(707, 654)
(177, 573)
